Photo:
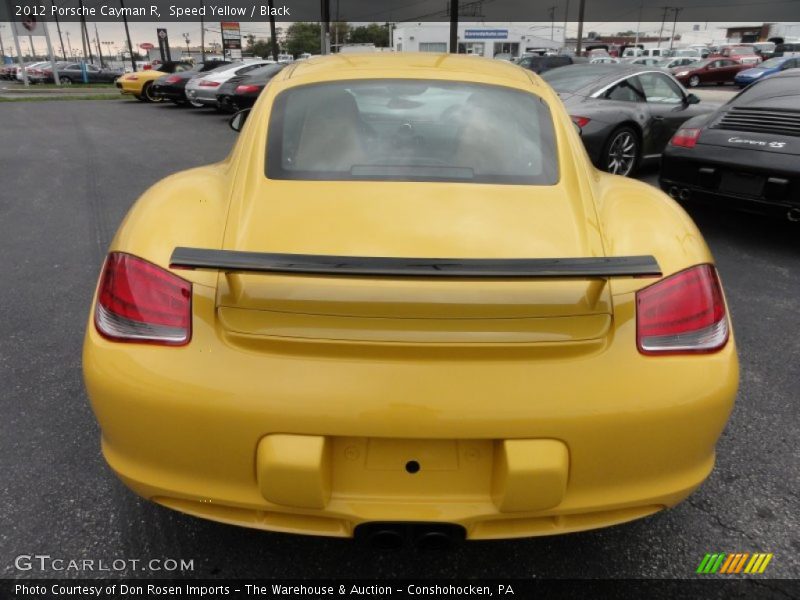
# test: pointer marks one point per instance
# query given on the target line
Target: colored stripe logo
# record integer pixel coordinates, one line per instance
(739, 562)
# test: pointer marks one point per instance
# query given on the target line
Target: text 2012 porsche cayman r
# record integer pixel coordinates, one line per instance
(409, 299)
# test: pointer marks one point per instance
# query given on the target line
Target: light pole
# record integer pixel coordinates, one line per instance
(69, 45)
(186, 37)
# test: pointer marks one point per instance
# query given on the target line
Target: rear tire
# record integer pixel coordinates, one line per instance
(196, 104)
(147, 92)
(694, 81)
(622, 152)
(65, 81)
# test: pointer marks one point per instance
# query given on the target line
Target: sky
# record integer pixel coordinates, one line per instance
(114, 33)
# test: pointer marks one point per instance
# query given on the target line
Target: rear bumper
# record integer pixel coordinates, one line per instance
(602, 434)
(697, 174)
(169, 92)
(207, 96)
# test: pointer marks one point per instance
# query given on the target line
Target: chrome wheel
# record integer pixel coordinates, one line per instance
(694, 81)
(147, 92)
(623, 152)
(65, 81)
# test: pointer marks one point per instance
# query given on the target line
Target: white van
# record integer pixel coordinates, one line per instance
(659, 52)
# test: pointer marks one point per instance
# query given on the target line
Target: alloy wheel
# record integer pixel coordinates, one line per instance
(622, 153)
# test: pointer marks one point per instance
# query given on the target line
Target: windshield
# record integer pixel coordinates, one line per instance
(772, 62)
(409, 130)
(573, 78)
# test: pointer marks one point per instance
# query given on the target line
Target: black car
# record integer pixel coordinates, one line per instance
(626, 113)
(172, 87)
(242, 91)
(540, 64)
(746, 155)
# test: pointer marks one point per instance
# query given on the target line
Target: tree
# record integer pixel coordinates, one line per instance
(303, 37)
(370, 34)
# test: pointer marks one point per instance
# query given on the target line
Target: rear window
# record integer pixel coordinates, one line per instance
(770, 92)
(411, 130)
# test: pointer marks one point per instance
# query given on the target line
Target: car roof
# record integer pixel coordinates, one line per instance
(417, 64)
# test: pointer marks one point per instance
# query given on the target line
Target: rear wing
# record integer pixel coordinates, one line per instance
(350, 266)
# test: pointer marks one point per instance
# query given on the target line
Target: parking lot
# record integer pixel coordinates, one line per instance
(72, 170)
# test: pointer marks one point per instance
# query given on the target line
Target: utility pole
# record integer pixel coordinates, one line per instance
(50, 53)
(566, 18)
(581, 10)
(97, 41)
(324, 27)
(58, 27)
(128, 35)
(273, 42)
(661, 31)
(674, 23)
(2, 48)
(69, 45)
(186, 37)
(552, 22)
(453, 26)
(638, 26)
(202, 33)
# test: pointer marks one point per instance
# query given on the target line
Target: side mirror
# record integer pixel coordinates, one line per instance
(692, 99)
(237, 121)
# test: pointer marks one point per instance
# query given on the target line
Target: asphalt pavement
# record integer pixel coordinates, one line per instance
(70, 172)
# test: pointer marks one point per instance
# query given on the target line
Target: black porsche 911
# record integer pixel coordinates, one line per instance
(626, 113)
(173, 87)
(746, 155)
(242, 91)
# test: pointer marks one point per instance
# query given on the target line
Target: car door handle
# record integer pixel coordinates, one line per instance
(658, 118)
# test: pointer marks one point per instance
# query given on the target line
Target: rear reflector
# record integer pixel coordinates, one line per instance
(580, 121)
(684, 313)
(138, 301)
(686, 137)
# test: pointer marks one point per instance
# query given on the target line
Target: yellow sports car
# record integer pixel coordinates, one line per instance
(140, 83)
(407, 306)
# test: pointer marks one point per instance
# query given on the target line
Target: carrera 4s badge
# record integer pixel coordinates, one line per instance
(737, 140)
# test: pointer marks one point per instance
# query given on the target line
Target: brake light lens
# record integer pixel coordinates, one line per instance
(580, 121)
(207, 83)
(685, 137)
(131, 78)
(248, 89)
(172, 79)
(138, 301)
(682, 314)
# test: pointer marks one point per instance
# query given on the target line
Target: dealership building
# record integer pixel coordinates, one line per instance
(481, 39)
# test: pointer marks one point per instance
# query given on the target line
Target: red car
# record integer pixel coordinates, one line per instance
(743, 54)
(711, 70)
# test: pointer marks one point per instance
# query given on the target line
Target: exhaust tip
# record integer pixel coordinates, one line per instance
(685, 194)
(386, 539)
(425, 536)
(433, 540)
(673, 191)
(793, 215)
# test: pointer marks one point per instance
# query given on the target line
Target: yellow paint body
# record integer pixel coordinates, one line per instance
(136, 86)
(300, 402)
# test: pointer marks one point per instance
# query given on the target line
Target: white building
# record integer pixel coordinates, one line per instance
(482, 39)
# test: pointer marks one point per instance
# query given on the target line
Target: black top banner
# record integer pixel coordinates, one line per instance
(396, 11)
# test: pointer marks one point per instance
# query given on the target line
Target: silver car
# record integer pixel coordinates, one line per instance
(202, 91)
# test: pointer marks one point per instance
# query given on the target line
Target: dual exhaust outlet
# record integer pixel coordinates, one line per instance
(422, 536)
(793, 214)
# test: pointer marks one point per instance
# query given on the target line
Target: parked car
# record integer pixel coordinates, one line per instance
(745, 155)
(694, 53)
(32, 70)
(680, 61)
(645, 61)
(626, 113)
(604, 60)
(768, 67)
(419, 312)
(764, 49)
(787, 49)
(140, 83)
(71, 72)
(172, 87)
(711, 70)
(540, 64)
(202, 91)
(243, 90)
(746, 55)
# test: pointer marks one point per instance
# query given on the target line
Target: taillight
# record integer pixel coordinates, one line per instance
(686, 137)
(684, 313)
(207, 83)
(131, 78)
(248, 89)
(138, 301)
(580, 121)
(172, 79)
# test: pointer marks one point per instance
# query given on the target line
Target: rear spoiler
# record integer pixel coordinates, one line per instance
(349, 266)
